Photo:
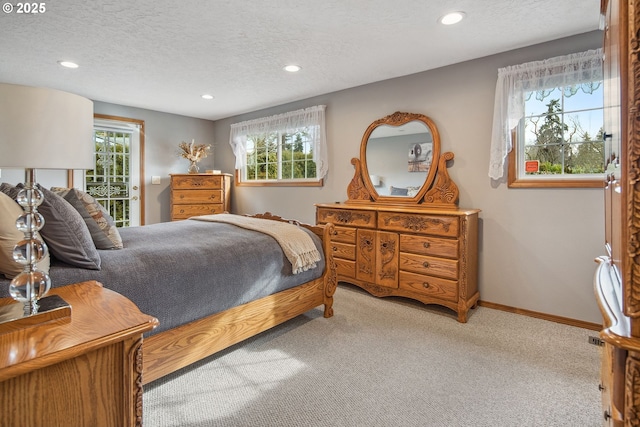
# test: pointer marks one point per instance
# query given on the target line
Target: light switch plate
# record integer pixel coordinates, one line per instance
(155, 180)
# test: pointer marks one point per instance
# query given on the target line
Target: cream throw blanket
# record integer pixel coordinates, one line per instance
(296, 244)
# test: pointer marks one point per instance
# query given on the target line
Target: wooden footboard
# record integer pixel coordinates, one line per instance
(176, 348)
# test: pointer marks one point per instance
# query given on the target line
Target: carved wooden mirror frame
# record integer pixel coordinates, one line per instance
(437, 190)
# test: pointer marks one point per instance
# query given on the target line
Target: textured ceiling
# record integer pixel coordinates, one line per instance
(162, 55)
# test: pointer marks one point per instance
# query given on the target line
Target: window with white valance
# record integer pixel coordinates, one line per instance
(564, 75)
(285, 148)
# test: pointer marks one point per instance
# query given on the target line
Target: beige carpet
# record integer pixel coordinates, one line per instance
(390, 362)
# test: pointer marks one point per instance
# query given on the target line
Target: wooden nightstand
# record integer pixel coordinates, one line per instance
(82, 371)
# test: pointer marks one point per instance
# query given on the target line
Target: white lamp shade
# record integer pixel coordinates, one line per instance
(45, 129)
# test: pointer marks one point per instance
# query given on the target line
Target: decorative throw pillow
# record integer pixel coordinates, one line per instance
(412, 191)
(64, 231)
(9, 236)
(7, 188)
(103, 229)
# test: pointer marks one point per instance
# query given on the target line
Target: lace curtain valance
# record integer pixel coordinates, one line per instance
(516, 81)
(311, 119)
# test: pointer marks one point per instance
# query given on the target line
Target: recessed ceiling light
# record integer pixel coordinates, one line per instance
(292, 68)
(452, 18)
(207, 96)
(68, 64)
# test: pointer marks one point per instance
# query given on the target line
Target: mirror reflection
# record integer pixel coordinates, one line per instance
(398, 158)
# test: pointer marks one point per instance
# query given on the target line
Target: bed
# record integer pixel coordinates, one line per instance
(210, 284)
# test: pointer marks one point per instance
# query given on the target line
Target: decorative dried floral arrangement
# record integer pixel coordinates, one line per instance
(194, 153)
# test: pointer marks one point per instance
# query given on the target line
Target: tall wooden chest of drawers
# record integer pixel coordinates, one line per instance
(199, 194)
(425, 254)
(617, 278)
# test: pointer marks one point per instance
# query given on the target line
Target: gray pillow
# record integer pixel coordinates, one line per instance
(396, 191)
(103, 229)
(64, 231)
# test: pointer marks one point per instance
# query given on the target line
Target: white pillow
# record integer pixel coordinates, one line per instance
(9, 236)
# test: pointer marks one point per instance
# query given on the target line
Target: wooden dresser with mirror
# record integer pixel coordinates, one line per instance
(401, 233)
(617, 278)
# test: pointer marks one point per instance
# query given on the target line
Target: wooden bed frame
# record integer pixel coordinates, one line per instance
(179, 347)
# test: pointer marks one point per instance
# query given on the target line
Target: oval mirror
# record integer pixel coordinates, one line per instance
(398, 155)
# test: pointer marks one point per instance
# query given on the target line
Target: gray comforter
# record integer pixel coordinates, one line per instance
(182, 271)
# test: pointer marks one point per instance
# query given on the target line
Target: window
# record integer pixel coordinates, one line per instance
(560, 138)
(551, 113)
(287, 149)
(280, 156)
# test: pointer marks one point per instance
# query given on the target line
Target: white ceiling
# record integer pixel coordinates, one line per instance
(163, 55)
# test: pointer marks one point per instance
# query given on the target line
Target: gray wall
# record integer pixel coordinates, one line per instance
(537, 246)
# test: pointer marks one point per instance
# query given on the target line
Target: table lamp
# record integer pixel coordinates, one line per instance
(40, 129)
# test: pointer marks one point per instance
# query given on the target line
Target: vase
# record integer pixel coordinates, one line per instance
(193, 167)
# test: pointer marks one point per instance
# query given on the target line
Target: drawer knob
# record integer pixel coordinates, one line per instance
(334, 249)
(335, 233)
(426, 245)
(607, 415)
(425, 264)
(426, 285)
(600, 387)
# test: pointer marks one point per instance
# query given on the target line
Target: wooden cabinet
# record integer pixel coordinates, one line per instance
(617, 278)
(408, 237)
(199, 194)
(425, 254)
(82, 371)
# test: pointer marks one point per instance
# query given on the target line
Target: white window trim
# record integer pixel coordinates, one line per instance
(514, 81)
(286, 123)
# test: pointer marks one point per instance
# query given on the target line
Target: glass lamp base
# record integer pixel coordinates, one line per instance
(28, 288)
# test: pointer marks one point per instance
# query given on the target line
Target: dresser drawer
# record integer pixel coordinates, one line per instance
(196, 181)
(343, 250)
(187, 211)
(345, 268)
(441, 267)
(427, 245)
(196, 196)
(428, 285)
(344, 235)
(428, 224)
(347, 217)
